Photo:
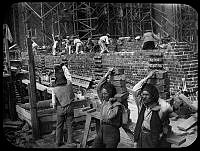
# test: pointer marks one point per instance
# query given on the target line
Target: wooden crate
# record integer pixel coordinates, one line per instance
(47, 118)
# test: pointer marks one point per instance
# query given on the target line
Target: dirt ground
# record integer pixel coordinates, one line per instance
(23, 137)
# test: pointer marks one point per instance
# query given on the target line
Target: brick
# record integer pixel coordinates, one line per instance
(161, 74)
(118, 77)
(119, 83)
(118, 71)
(122, 97)
(164, 95)
(121, 90)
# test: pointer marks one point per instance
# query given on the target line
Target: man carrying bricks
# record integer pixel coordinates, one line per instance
(151, 126)
(111, 115)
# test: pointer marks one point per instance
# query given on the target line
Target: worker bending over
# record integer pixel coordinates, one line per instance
(103, 43)
(149, 39)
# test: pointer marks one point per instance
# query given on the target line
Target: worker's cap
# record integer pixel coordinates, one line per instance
(148, 30)
(137, 38)
(107, 34)
(56, 66)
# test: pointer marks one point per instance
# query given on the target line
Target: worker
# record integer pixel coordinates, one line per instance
(108, 135)
(89, 45)
(62, 98)
(34, 47)
(78, 45)
(68, 45)
(149, 39)
(152, 126)
(55, 44)
(103, 43)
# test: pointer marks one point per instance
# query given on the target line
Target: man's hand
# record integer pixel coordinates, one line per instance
(53, 105)
(151, 73)
(109, 71)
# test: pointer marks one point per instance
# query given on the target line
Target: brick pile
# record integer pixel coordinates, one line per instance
(119, 82)
(81, 64)
(129, 46)
(161, 81)
(179, 60)
(98, 67)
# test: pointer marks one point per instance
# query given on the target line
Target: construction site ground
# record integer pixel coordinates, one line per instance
(23, 137)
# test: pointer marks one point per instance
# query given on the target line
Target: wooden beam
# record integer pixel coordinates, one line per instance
(86, 131)
(32, 9)
(50, 10)
(32, 87)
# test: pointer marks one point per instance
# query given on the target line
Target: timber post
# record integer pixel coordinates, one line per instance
(32, 88)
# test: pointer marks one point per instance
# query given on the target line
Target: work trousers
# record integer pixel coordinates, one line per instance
(64, 114)
(148, 45)
(108, 137)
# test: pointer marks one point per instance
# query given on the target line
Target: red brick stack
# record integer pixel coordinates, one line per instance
(98, 67)
(162, 83)
(156, 60)
(119, 82)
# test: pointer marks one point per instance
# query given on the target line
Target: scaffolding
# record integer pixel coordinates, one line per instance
(92, 19)
(178, 20)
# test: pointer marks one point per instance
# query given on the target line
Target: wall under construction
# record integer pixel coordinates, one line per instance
(179, 61)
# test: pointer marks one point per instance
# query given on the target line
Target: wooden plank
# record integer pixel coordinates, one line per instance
(188, 123)
(86, 130)
(11, 126)
(48, 118)
(80, 118)
(175, 139)
(81, 77)
(96, 114)
(38, 85)
(46, 111)
(91, 110)
(13, 123)
(24, 112)
(78, 112)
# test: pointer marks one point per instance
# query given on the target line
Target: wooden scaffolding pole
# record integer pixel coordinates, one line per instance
(32, 87)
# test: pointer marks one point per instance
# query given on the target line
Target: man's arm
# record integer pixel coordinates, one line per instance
(53, 37)
(53, 103)
(102, 81)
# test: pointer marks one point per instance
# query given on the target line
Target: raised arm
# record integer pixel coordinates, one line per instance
(102, 81)
(53, 37)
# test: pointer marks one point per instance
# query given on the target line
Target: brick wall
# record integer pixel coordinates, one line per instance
(182, 62)
(178, 60)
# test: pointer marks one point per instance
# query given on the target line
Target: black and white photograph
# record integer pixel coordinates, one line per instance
(100, 75)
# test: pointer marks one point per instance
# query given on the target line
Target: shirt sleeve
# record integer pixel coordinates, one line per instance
(107, 40)
(99, 87)
(53, 97)
(67, 73)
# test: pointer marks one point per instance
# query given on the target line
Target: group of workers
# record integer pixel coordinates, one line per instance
(73, 44)
(79, 46)
(152, 124)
